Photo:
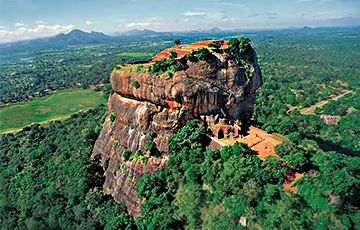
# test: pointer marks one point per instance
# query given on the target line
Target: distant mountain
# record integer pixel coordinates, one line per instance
(307, 28)
(79, 37)
(74, 37)
(135, 32)
(215, 30)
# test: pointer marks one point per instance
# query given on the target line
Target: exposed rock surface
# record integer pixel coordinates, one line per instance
(205, 90)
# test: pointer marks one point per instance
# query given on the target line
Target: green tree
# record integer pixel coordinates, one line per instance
(176, 42)
(127, 154)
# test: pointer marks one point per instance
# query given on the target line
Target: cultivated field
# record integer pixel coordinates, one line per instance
(57, 106)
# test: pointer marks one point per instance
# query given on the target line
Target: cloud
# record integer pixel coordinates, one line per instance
(230, 4)
(138, 24)
(146, 23)
(252, 15)
(184, 20)
(3, 27)
(41, 22)
(24, 33)
(192, 14)
(19, 24)
(89, 22)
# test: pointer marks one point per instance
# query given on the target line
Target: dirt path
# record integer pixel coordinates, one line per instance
(311, 109)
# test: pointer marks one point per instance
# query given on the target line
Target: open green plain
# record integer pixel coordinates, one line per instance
(57, 106)
(135, 54)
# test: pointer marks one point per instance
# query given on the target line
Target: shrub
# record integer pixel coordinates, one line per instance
(112, 116)
(116, 142)
(213, 45)
(173, 55)
(233, 41)
(145, 160)
(127, 154)
(136, 84)
(204, 55)
(139, 68)
(170, 75)
(152, 134)
(245, 45)
(121, 168)
(177, 42)
(191, 57)
(139, 153)
(187, 111)
(164, 65)
(106, 164)
(150, 146)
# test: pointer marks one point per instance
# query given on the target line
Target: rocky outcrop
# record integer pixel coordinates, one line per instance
(224, 87)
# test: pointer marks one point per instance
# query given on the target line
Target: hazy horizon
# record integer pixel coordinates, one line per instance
(28, 19)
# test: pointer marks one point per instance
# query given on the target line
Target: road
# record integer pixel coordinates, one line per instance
(311, 109)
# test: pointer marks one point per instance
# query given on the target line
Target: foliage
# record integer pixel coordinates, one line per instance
(127, 154)
(214, 189)
(213, 45)
(177, 42)
(204, 55)
(200, 188)
(165, 65)
(173, 55)
(152, 134)
(49, 182)
(136, 84)
(112, 116)
(242, 44)
(170, 75)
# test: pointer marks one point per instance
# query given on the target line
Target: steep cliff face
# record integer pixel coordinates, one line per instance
(205, 85)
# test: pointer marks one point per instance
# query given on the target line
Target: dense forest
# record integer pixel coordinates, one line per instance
(301, 70)
(49, 182)
(220, 189)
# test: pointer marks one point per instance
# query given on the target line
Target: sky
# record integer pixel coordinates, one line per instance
(27, 19)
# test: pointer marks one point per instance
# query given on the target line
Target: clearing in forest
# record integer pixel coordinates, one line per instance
(58, 106)
(311, 109)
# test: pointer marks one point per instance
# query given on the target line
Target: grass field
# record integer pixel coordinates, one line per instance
(58, 106)
(138, 54)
